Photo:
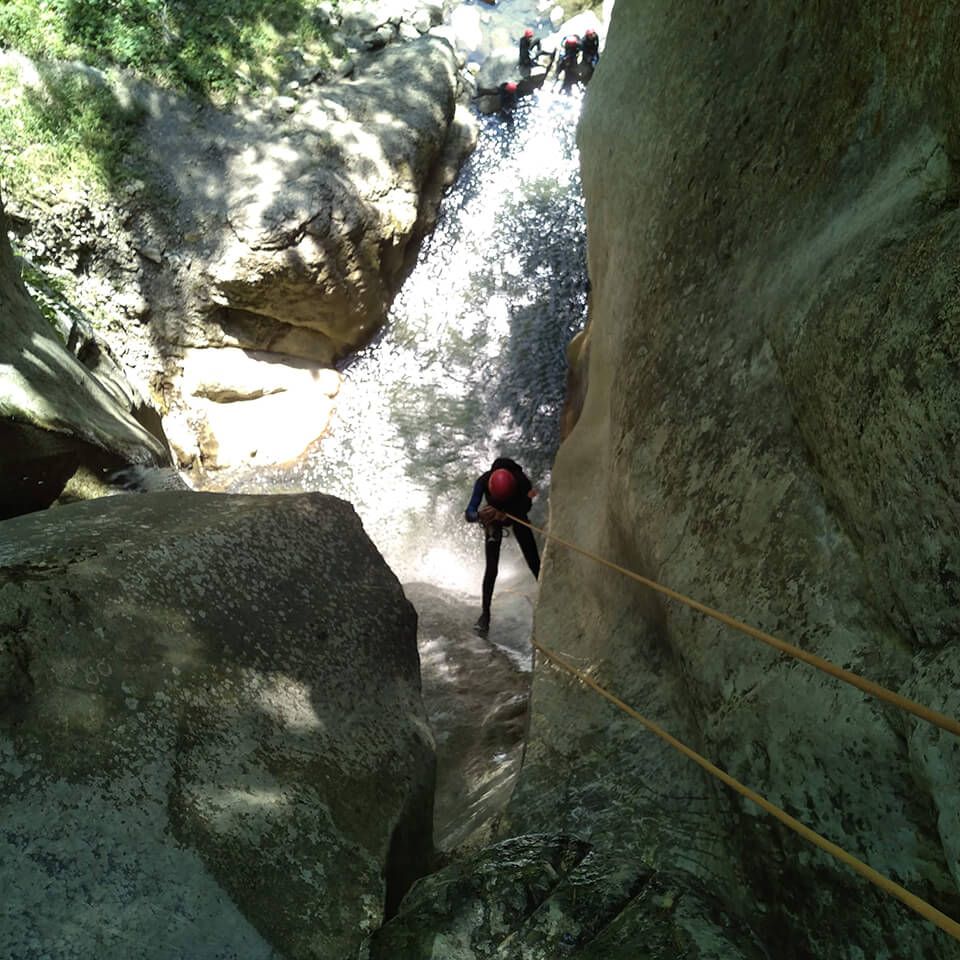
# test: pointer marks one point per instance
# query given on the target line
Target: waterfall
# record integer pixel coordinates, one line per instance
(471, 362)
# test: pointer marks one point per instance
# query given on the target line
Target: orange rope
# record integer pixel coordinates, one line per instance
(915, 903)
(847, 676)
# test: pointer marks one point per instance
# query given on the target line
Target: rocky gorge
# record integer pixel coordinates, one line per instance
(267, 240)
(761, 413)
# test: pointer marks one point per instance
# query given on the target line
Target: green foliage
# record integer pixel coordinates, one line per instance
(53, 296)
(71, 129)
(213, 48)
(67, 129)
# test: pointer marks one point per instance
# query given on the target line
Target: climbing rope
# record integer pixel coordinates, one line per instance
(847, 676)
(915, 903)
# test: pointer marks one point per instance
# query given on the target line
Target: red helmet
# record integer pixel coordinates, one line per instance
(510, 87)
(501, 485)
(590, 33)
(528, 32)
(571, 42)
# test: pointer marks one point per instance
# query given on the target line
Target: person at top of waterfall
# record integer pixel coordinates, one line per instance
(568, 66)
(529, 49)
(507, 490)
(590, 47)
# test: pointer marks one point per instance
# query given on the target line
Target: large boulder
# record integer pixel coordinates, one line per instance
(284, 224)
(58, 416)
(212, 741)
(552, 896)
(323, 195)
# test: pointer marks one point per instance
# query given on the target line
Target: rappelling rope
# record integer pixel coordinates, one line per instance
(914, 902)
(868, 686)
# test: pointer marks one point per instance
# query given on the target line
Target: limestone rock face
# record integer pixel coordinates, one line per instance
(212, 741)
(56, 414)
(770, 426)
(284, 224)
(319, 203)
(250, 406)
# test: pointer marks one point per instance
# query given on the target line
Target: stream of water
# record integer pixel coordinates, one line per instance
(471, 363)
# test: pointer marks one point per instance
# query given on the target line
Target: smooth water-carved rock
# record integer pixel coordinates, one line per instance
(250, 406)
(543, 896)
(769, 426)
(475, 696)
(212, 741)
(316, 214)
(57, 416)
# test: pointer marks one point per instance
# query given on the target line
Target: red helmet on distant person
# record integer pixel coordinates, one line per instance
(510, 87)
(571, 42)
(528, 32)
(501, 484)
(590, 33)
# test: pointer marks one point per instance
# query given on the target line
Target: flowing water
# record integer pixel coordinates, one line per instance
(471, 363)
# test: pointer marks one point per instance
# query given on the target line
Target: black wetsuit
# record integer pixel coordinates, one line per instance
(508, 98)
(527, 56)
(569, 67)
(519, 505)
(591, 49)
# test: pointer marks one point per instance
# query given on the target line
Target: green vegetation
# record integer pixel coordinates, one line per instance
(67, 129)
(212, 49)
(51, 294)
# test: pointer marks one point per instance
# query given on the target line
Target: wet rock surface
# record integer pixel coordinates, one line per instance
(475, 693)
(554, 896)
(212, 741)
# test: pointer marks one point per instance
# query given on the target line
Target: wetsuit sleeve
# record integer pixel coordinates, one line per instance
(474, 505)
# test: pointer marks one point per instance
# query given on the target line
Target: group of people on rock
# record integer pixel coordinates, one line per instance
(579, 56)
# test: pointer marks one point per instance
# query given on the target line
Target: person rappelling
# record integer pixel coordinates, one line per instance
(507, 490)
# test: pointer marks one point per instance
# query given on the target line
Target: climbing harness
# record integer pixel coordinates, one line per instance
(847, 676)
(911, 900)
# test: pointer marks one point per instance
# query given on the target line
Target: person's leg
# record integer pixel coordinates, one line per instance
(492, 541)
(528, 545)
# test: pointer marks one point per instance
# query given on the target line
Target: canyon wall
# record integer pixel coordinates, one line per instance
(764, 414)
(770, 426)
(67, 413)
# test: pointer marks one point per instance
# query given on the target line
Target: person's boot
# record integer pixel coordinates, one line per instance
(482, 626)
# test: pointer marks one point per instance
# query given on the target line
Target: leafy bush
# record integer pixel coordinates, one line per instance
(70, 128)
